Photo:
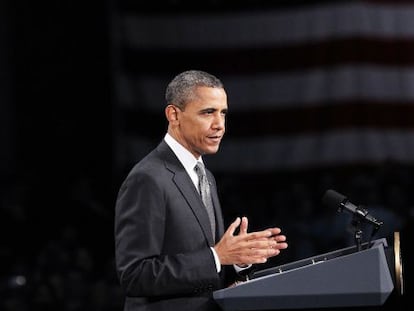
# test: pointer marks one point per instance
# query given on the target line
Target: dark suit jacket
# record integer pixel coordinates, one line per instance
(163, 237)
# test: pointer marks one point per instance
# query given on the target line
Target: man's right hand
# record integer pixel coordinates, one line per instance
(249, 248)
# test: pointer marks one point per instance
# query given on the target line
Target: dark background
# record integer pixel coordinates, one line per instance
(59, 179)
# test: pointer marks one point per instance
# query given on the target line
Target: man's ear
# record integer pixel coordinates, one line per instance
(171, 113)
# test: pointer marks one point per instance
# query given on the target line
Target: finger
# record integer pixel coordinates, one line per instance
(280, 238)
(244, 225)
(233, 226)
(258, 235)
(282, 245)
(266, 252)
(259, 244)
(275, 231)
(280, 241)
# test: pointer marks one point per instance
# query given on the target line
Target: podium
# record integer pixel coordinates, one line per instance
(342, 278)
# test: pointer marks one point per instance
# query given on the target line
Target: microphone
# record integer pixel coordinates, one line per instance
(334, 199)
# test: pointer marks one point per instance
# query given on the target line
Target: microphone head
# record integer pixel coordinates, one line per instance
(333, 199)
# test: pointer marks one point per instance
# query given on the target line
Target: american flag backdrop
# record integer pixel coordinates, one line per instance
(313, 87)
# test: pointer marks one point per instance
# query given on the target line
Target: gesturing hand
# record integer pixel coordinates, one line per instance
(249, 248)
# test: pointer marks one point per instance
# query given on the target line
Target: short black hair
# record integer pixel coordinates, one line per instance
(181, 89)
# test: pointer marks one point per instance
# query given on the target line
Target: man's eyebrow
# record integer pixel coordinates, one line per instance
(209, 109)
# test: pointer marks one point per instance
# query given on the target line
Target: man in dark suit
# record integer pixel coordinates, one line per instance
(167, 256)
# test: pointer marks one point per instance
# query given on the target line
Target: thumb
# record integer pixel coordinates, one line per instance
(233, 226)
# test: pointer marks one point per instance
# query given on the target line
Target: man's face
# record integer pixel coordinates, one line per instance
(201, 125)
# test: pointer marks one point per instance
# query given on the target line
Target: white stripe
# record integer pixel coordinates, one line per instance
(313, 150)
(298, 89)
(250, 29)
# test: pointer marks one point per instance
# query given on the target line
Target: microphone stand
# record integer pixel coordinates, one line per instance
(356, 225)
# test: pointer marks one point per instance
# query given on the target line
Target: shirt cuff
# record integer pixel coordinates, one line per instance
(238, 268)
(216, 260)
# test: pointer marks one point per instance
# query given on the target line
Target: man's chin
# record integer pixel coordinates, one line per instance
(210, 150)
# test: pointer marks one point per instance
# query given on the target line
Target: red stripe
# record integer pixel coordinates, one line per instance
(282, 122)
(193, 7)
(380, 51)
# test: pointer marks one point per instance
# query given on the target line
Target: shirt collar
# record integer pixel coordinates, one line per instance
(184, 156)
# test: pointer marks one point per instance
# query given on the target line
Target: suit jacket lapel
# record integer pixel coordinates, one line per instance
(185, 185)
(187, 189)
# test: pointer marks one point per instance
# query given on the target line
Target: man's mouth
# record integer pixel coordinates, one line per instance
(215, 138)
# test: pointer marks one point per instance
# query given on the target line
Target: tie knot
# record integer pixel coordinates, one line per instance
(199, 168)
